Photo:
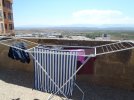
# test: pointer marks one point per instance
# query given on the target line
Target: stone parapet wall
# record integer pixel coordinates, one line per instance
(6, 62)
(115, 70)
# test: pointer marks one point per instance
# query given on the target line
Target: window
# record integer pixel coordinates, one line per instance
(0, 4)
(10, 16)
(1, 27)
(5, 15)
(11, 26)
(7, 4)
(1, 15)
(3, 2)
(10, 5)
(6, 26)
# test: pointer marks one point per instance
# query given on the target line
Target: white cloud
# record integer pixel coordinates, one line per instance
(92, 16)
(101, 17)
(96, 12)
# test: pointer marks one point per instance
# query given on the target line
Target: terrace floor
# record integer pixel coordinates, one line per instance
(17, 85)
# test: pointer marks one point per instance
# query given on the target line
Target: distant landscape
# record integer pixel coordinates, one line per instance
(116, 33)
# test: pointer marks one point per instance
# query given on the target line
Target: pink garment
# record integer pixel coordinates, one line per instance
(81, 58)
(80, 53)
(88, 68)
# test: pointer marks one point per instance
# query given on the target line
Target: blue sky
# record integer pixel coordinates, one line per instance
(68, 12)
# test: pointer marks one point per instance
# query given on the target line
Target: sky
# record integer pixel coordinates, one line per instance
(72, 12)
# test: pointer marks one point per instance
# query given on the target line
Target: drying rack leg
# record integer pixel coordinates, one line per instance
(59, 89)
(72, 77)
(80, 91)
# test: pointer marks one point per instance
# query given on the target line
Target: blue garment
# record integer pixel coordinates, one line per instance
(17, 54)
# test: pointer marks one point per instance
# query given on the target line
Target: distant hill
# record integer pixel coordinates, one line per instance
(80, 27)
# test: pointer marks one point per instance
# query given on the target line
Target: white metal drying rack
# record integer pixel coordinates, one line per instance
(98, 50)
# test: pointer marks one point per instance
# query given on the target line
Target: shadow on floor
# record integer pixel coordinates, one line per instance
(92, 92)
(17, 77)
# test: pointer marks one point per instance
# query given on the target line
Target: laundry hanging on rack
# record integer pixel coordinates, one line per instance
(60, 66)
(41, 76)
(80, 53)
(18, 54)
(88, 68)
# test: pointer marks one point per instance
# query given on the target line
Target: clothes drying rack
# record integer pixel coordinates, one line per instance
(98, 50)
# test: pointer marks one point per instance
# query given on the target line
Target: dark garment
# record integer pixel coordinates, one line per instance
(24, 55)
(13, 53)
(10, 54)
(17, 54)
(88, 68)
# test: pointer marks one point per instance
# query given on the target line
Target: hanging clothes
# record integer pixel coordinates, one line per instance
(18, 54)
(80, 54)
(60, 66)
(88, 68)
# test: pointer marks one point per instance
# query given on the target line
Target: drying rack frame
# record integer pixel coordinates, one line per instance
(98, 50)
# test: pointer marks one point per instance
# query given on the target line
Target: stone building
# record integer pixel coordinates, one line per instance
(6, 17)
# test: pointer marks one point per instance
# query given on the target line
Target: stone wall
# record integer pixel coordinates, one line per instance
(115, 70)
(6, 62)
